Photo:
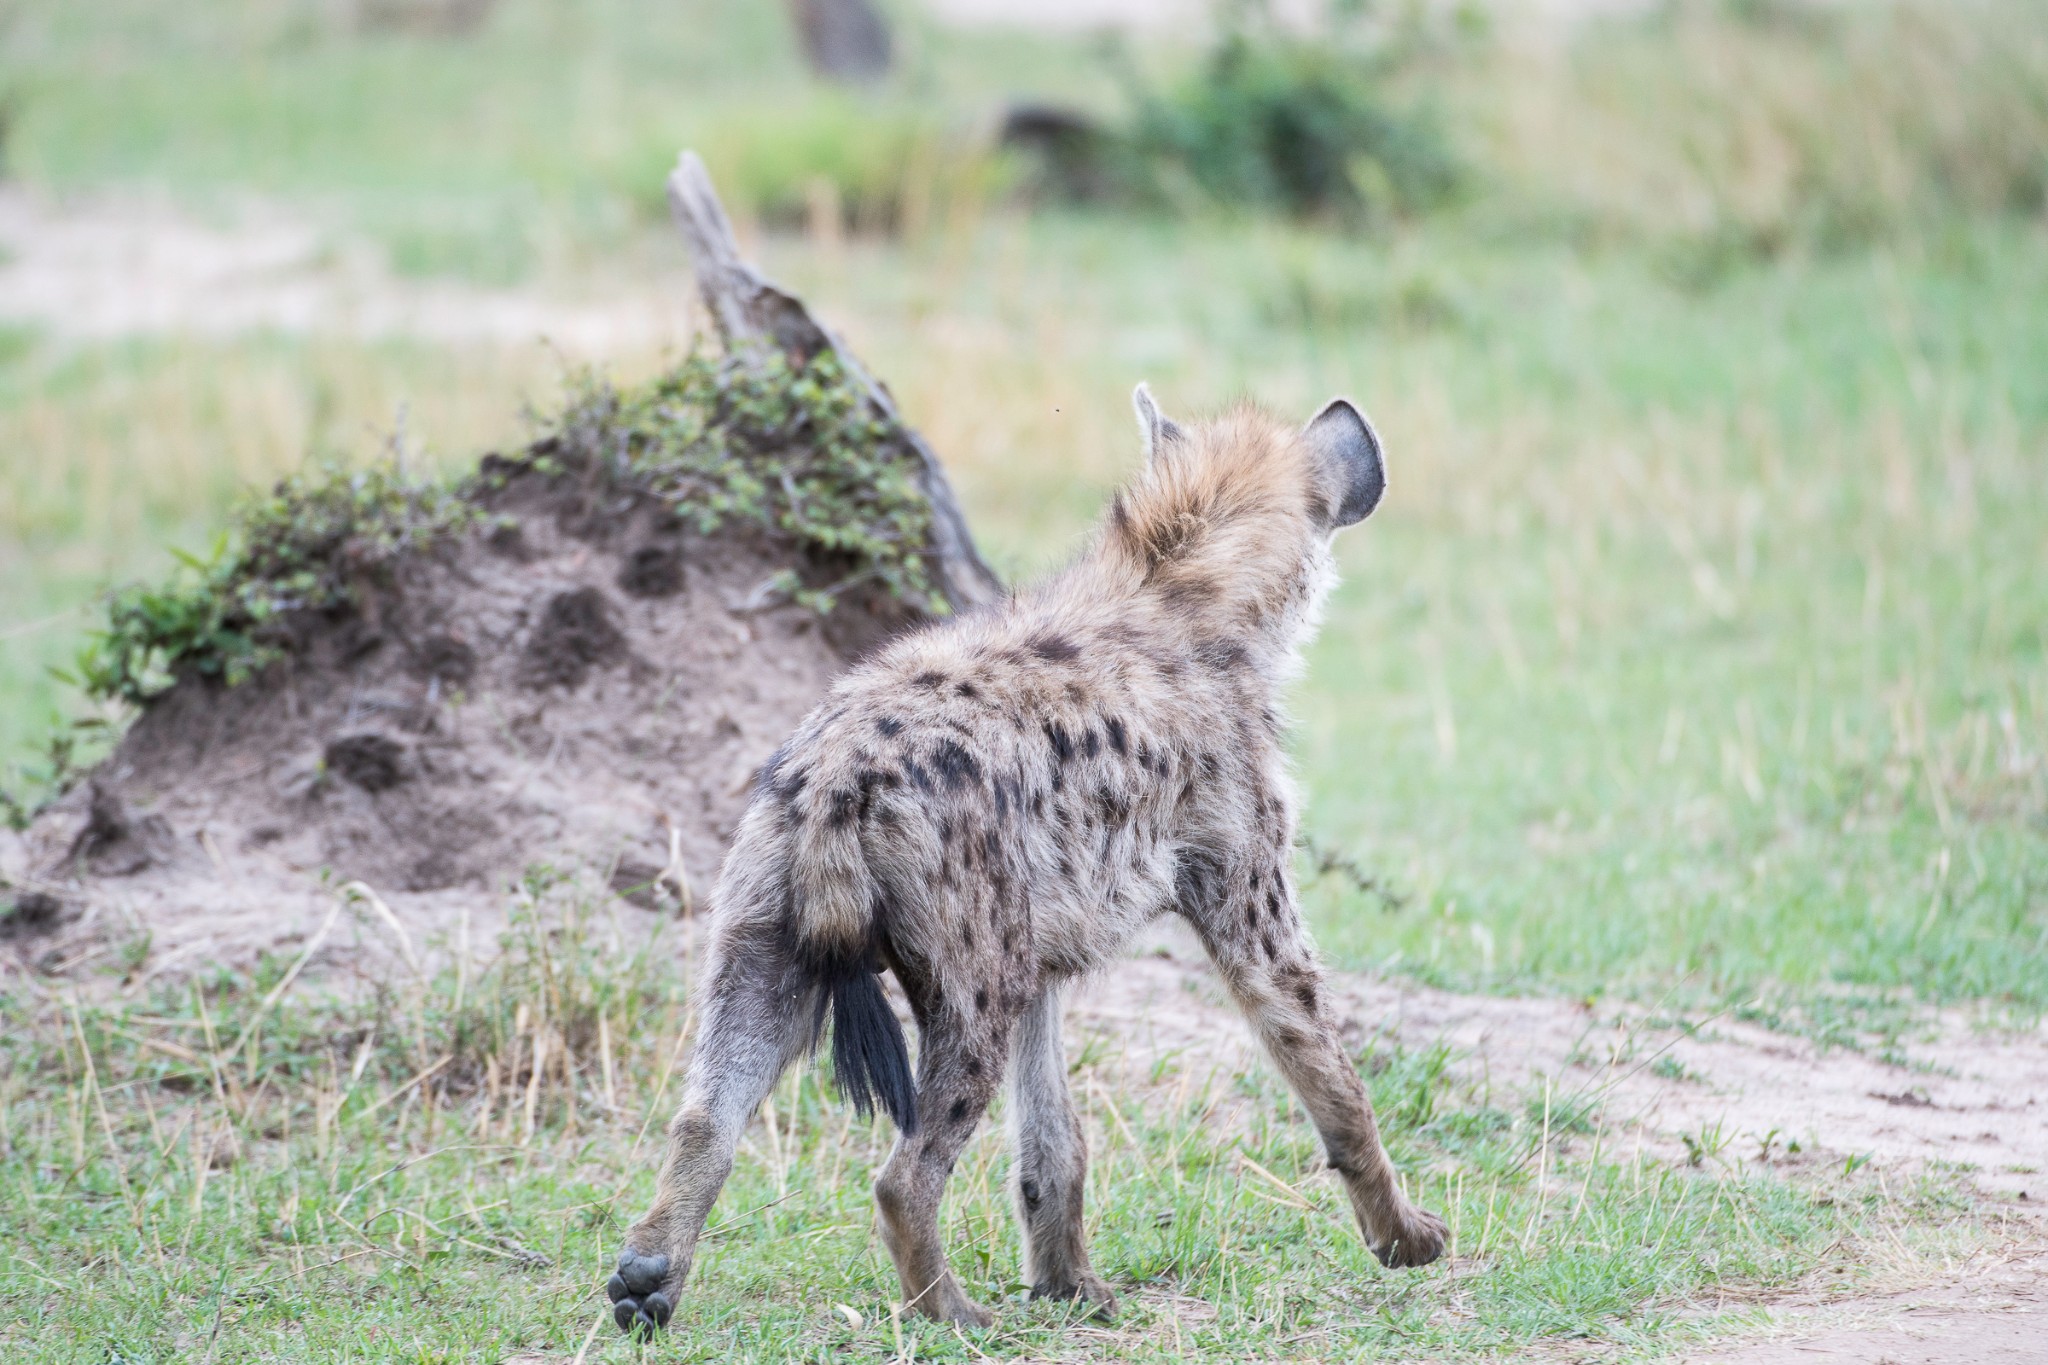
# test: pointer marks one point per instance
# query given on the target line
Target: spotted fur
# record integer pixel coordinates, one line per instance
(992, 807)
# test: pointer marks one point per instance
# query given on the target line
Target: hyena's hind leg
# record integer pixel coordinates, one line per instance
(959, 1064)
(1254, 934)
(749, 1036)
(1052, 1162)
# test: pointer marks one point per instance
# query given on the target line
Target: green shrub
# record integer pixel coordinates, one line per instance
(1272, 120)
(1293, 125)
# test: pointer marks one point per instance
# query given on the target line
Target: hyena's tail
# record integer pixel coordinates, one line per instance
(869, 1061)
(838, 928)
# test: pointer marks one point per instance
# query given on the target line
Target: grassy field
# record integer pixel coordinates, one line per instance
(192, 1176)
(1699, 654)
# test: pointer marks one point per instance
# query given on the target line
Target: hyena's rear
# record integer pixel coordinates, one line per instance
(991, 808)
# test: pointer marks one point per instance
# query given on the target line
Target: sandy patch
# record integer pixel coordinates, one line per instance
(1995, 1314)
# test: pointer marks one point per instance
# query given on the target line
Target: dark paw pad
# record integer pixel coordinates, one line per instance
(638, 1304)
(641, 1274)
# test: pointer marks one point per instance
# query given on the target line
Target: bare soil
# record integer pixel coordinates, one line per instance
(1992, 1312)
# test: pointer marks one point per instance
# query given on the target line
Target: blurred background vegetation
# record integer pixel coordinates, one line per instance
(1701, 639)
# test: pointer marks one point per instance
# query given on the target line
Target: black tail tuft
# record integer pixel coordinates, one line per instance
(869, 1061)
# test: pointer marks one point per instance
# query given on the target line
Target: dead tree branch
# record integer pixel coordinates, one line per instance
(753, 314)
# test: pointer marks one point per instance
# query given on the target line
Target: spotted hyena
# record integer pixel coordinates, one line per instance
(990, 808)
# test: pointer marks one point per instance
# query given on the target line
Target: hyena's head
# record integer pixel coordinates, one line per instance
(1232, 517)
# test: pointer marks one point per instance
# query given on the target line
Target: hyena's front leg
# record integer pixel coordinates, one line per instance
(1052, 1162)
(1256, 940)
(749, 1037)
(959, 1064)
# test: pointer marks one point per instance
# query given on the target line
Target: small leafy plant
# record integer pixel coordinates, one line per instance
(311, 545)
(796, 450)
(65, 755)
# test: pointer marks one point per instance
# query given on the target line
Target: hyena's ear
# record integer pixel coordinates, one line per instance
(1347, 444)
(1155, 426)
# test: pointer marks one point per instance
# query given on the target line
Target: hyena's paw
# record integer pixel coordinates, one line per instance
(1419, 1237)
(1088, 1288)
(641, 1297)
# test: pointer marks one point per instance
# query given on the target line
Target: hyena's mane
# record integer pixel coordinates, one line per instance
(1221, 521)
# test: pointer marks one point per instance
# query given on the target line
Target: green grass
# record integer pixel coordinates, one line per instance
(1699, 655)
(175, 1192)
(1729, 666)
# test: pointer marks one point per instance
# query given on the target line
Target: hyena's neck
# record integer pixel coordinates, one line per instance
(1256, 611)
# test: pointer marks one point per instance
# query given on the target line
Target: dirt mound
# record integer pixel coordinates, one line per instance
(573, 660)
(583, 681)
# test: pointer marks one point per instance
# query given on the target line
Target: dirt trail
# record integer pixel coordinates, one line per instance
(1995, 1314)
(1963, 1096)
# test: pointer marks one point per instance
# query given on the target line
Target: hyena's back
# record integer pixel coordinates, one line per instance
(1006, 801)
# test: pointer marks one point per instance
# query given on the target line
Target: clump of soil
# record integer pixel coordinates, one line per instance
(576, 668)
